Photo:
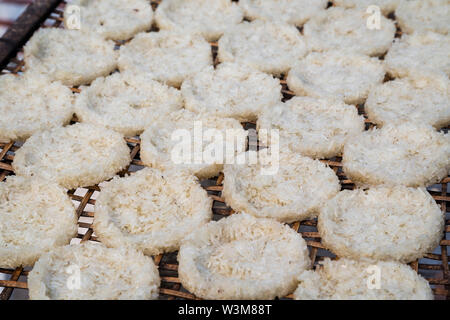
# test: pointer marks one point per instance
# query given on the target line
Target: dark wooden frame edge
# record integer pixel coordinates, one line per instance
(23, 28)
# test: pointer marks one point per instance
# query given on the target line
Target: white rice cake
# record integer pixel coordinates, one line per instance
(210, 18)
(295, 12)
(408, 154)
(35, 217)
(419, 15)
(294, 191)
(242, 257)
(31, 103)
(166, 56)
(151, 210)
(317, 128)
(346, 279)
(112, 19)
(386, 6)
(336, 74)
(422, 99)
(185, 140)
(419, 53)
(399, 224)
(91, 271)
(70, 56)
(265, 46)
(231, 91)
(126, 102)
(347, 29)
(75, 156)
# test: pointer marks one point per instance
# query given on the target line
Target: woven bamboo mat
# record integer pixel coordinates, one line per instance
(434, 266)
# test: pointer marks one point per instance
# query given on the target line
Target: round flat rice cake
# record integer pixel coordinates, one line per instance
(295, 12)
(35, 217)
(346, 279)
(74, 156)
(316, 128)
(112, 19)
(419, 53)
(422, 99)
(30, 103)
(232, 91)
(185, 140)
(210, 18)
(70, 56)
(91, 271)
(408, 154)
(166, 56)
(346, 29)
(242, 257)
(151, 210)
(125, 102)
(418, 15)
(336, 74)
(399, 224)
(288, 188)
(264, 46)
(386, 6)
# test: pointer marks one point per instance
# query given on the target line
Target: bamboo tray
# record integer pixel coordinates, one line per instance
(48, 13)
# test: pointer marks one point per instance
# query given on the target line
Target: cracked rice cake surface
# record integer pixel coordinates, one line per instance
(189, 141)
(77, 155)
(166, 56)
(386, 6)
(126, 102)
(242, 257)
(210, 18)
(112, 19)
(346, 279)
(419, 99)
(336, 74)
(295, 12)
(346, 29)
(418, 16)
(383, 223)
(231, 90)
(419, 53)
(266, 46)
(317, 128)
(151, 210)
(31, 103)
(91, 271)
(290, 188)
(35, 217)
(70, 56)
(408, 154)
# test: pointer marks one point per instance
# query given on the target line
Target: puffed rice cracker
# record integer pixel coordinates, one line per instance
(242, 257)
(210, 18)
(266, 46)
(383, 223)
(151, 210)
(166, 56)
(346, 279)
(74, 156)
(112, 19)
(70, 56)
(90, 271)
(35, 217)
